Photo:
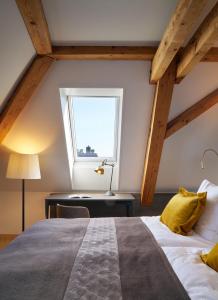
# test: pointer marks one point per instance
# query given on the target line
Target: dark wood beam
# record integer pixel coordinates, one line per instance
(211, 56)
(23, 92)
(202, 41)
(176, 33)
(115, 53)
(34, 19)
(192, 113)
(102, 53)
(161, 107)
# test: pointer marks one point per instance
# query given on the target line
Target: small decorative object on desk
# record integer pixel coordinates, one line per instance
(100, 170)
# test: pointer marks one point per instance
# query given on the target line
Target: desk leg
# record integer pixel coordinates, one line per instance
(53, 211)
(129, 209)
(46, 209)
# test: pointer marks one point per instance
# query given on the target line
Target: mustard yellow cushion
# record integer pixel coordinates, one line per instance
(211, 259)
(183, 211)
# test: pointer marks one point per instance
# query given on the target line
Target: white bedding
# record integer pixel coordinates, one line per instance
(167, 238)
(183, 253)
(200, 281)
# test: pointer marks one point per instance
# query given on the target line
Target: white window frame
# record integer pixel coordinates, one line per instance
(97, 93)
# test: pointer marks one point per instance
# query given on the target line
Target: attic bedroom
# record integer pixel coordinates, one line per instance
(108, 149)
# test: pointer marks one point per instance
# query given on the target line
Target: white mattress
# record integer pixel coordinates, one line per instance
(183, 253)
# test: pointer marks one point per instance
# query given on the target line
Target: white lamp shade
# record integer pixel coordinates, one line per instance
(23, 166)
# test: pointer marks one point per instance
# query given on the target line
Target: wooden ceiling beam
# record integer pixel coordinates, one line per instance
(211, 56)
(204, 39)
(161, 107)
(192, 113)
(103, 53)
(34, 19)
(115, 53)
(178, 30)
(23, 93)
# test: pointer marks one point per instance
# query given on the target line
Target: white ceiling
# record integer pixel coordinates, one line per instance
(107, 21)
(117, 22)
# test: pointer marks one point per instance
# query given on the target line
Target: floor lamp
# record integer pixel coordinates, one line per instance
(23, 166)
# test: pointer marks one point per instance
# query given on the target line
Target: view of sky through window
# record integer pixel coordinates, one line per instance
(94, 122)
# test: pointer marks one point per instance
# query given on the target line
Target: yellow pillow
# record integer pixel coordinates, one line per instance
(183, 211)
(211, 259)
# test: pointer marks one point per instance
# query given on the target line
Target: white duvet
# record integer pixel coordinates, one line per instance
(183, 253)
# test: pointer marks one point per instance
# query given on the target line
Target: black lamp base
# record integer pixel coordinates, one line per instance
(23, 204)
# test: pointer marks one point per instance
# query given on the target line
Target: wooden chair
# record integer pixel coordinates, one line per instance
(69, 212)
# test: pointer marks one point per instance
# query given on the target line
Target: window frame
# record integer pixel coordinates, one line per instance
(114, 158)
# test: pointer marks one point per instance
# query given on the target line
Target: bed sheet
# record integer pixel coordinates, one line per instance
(183, 253)
(166, 238)
(199, 280)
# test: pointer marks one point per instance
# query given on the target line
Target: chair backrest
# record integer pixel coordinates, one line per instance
(72, 211)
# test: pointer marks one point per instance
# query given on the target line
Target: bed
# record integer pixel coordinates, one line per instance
(114, 258)
(106, 258)
(183, 253)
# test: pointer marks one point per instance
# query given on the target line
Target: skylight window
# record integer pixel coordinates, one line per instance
(95, 126)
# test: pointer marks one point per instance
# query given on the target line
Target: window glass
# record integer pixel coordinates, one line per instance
(95, 126)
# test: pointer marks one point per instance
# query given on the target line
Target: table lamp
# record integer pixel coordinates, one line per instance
(23, 166)
(100, 170)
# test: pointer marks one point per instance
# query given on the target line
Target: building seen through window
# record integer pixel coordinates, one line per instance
(89, 152)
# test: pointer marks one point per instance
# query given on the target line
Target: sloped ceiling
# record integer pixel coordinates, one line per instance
(117, 22)
(16, 50)
(96, 22)
(102, 21)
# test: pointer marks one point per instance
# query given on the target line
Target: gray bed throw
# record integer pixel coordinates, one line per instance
(93, 259)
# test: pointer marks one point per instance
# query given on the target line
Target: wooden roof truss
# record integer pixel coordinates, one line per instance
(170, 64)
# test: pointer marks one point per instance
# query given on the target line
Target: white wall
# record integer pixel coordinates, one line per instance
(15, 47)
(39, 129)
(180, 163)
(11, 213)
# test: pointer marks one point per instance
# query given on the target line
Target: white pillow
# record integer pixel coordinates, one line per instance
(207, 226)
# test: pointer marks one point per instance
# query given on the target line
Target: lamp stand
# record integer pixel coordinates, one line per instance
(100, 170)
(109, 192)
(23, 204)
(205, 151)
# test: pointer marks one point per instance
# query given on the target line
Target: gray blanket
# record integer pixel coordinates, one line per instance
(106, 258)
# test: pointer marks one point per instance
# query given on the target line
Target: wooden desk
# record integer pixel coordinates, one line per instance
(94, 200)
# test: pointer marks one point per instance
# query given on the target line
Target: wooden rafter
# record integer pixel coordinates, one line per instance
(34, 19)
(103, 53)
(23, 93)
(182, 21)
(192, 113)
(211, 56)
(204, 39)
(114, 53)
(161, 107)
